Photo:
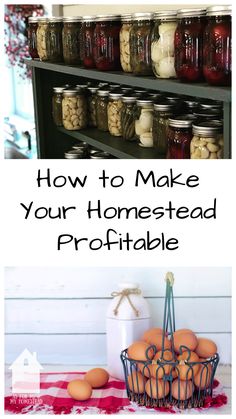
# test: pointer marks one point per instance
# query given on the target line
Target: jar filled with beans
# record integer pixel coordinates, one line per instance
(125, 51)
(207, 141)
(144, 122)
(74, 109)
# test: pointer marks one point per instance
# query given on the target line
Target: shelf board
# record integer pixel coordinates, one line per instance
(116, 146)
(202, 90)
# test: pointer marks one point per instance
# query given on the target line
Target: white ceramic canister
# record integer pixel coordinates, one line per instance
(128, 317)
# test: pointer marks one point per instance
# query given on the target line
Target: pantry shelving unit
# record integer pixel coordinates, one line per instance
(53, 141)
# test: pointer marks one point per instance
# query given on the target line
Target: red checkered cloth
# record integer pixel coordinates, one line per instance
(112, 398)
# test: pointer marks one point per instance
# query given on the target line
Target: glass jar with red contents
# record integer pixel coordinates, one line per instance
(189, 44)
(217, 46)
(106, 51)
(86, 37)
(32, 37)
(179, 136)
(140, 41)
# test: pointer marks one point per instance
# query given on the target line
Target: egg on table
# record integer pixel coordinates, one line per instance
(97, 377)
(79, 390)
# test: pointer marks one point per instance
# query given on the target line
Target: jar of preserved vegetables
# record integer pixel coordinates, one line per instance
(71, 40)
(101, 109)
(162, 112)
(32, 37)
(86, 39)
(128, 117)
(114, 114)
(74, 109)
(207, 141)
(179, 136)
(57, 106)
(107, 42)
(141, 43)
(189, 44)
(92, 101)
(144, 122)
(55, 50)
(42, 38)
(125, 50)
(218, 46)
(162, 47)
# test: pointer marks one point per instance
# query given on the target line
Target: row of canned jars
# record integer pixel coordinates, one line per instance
(177, 127)
(188, 44)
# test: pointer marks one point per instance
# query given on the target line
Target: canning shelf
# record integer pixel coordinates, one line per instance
(53, 142)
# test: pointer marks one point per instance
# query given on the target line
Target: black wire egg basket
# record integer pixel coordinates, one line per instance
(161, 382)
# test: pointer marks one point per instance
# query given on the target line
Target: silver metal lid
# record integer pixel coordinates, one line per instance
(100, 155)
(81, 86)
(219, 10)
(104, 18)
(163, 106)
(34, 19)
(93, 89)
(72, 19)
(70, 93)
(182, 121)
(115, 95)
(143, 101)
(54, 19)
(74, 154)
(103, 93)
(43, 19)
(80, 147)
(88, 18)
(125, 89)
(142, 16)
(165, 14)
(210, 104)
(208, 128)
(129, 99)
(127, 17)
(190, 13)
(59, 89)
(206, 113)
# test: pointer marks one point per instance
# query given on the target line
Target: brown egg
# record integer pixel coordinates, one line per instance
(138, 350)
(182, 390)
(206, 348)
(203, 378)
(174, 372)
(151, 332)
(156, 339)
(136, 382)
(157, 389)
(186, 338)
(186, 371)
(144, 369)
(158, 370)
(79, 390)
(97, 377)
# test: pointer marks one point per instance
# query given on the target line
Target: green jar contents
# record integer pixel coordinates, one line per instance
(71, 40)
(162, 112)
(57, 105)
(128, 117)
(42, 38)
(144, 122)
(74, 109)
(207, 141)
(101, 109)
(125, 47)
(162, 48)
(141, 44)
(54, 46)
(92, 102)
(114, 114)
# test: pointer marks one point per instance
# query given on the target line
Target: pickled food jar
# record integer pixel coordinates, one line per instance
(71, 40)
(92, 102)
(57, 106)
(125, 47)
(101, 109)
(74, 109)
(54, 47)
(162, 112)
(141, 31)
(179, 136)
(107, 42)
(32, 37)
(207, 141)
(144, 122)
(114, 114)
(128, 117)
(43, 38)
(87, 39)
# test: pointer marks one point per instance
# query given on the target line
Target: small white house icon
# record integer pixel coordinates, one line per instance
(26, 373)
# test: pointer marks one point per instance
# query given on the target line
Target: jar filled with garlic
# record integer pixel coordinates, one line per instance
(43, 38)
(207, 141)
(144, 122)
(114, 114)
(162, 47)
(74, 109)
(125, 54)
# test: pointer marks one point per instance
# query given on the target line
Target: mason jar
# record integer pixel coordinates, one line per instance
(179, 136)
(207, 141)
(125, 47)
(107, 42)
(218, 46)
(114, 114)
(57, 105)
(55, 50)
(189, 44)
(207, 114)
(71, 40)
(101, 109)
(87, 38)
(42, 38)
(162, 112)
(92, 101)
(162, 47)
(140, 41)
(128, 117)
(32, 37)
(144, 122)
(74, 154)
(74, 109)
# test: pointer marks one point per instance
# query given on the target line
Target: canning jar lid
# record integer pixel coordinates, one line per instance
(115, 95)
(81, 86)
(144, 101)
(182, 121)
(100, 155)
(210, 104)
(142, 16)
(93, 89)
(207, 128)
(34, 19)
(126, 17)
(191, 102)
(88, 18)
(165, 14)
(129, 99)
(190, 13)
(54, 19)
(43, 19)
(104, 18)
(207, 113)
(81, 146)
(103, 92)
(125, 89)
(74, 154)
(70, 93)
(219, 10)
(164, 106)
(59, 89)
(72, 19)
